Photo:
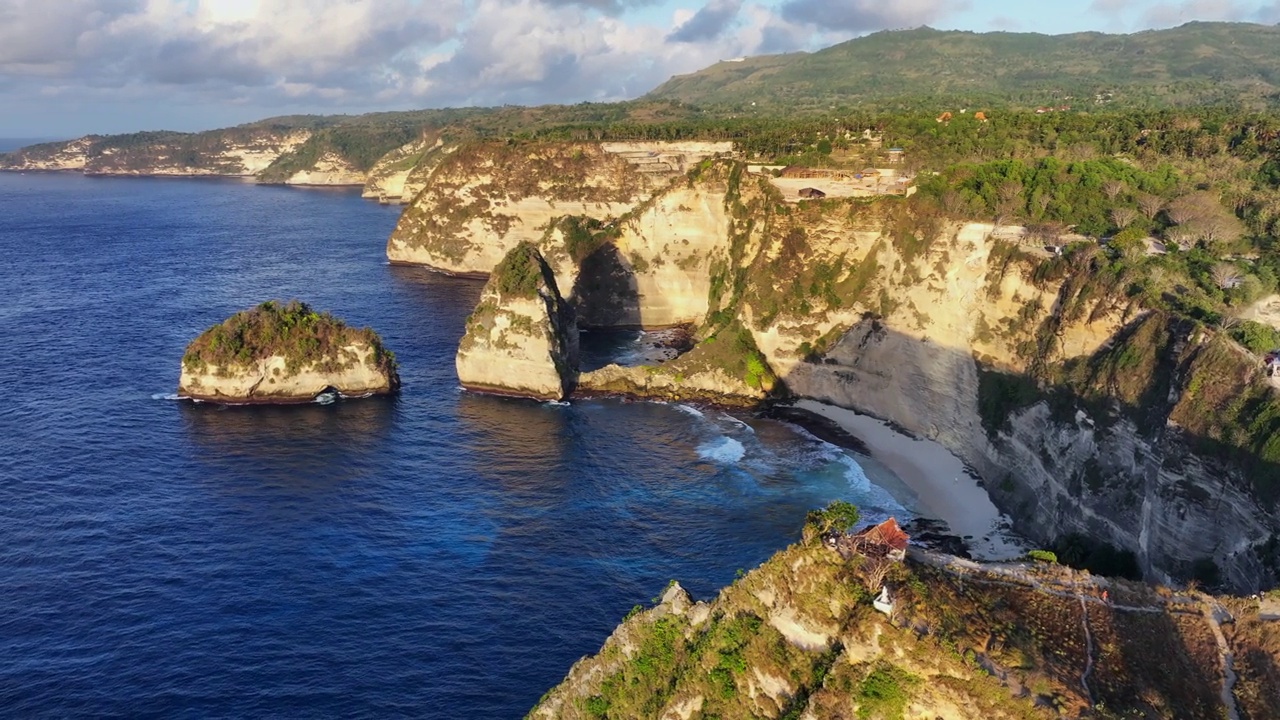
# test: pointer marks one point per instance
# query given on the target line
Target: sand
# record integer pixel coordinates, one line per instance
(943, 488)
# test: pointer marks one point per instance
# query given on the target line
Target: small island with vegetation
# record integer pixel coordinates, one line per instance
(285, 353)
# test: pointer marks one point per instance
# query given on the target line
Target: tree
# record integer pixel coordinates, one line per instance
(1113, 188)
(1225, 275)
(838, 516)
(1123, 217)
(1151, 205)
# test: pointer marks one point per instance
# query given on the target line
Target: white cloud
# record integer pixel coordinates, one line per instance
(860, 16)
(1167, 14)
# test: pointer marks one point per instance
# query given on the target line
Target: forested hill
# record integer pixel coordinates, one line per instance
(1196, 64)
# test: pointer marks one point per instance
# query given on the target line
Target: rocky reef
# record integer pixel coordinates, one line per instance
(799, 637)
(285, 353)
(522, 339)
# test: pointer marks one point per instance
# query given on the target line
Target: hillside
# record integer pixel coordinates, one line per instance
(1195, 64)
(798, 638)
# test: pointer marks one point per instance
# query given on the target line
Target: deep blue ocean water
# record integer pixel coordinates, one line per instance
(439, 554)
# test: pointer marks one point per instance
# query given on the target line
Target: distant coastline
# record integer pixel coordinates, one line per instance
(11, 144)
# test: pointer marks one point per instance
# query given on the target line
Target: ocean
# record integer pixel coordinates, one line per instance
(438, 554)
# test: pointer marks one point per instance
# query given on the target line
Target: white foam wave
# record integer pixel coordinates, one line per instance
(871, 495)
(690, 410)
(557, 403)
(723, 450)
(166, 396)
(326, 398)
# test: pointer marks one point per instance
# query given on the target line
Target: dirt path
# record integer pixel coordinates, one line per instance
(1088, 650)
(1214, 613)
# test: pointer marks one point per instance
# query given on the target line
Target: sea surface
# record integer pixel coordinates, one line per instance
(435, 555)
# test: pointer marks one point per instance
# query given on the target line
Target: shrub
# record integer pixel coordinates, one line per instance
(1047, 556)
(520, 272)
(292, 330)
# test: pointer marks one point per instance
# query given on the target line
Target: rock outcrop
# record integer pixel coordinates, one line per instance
(285, 353)
(522, 339)
(798, 638)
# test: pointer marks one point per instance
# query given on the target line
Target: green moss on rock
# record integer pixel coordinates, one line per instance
(292, 330)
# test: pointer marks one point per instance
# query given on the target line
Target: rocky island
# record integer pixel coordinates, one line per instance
(522, 339)
(285, 353)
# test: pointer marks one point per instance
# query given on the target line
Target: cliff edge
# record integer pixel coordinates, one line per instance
(800, 637)
(285, 353)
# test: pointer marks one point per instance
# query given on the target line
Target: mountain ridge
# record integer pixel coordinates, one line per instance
(1194, 64)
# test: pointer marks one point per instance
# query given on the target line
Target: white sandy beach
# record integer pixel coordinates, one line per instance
(944, 490)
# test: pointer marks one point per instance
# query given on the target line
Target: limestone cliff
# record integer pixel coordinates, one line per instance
(402, 173)
(240, 152)
(70, 155)
(331, 169)
(798, 638)
(285, 353)
(487, 197)
(1020, 363)
(522, 339)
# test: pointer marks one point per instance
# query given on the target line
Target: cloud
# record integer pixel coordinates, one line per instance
(708, 23)
(1168, 14)
(275, 56)
(859, 16)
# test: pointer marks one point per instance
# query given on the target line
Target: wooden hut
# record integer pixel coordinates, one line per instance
(812, 193)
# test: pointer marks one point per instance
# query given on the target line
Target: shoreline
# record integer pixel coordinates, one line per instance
(945, 489)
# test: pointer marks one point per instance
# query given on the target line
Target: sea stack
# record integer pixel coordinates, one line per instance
(522, 339)
(285, 353)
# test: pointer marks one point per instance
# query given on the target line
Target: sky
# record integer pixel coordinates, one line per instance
(71, 67)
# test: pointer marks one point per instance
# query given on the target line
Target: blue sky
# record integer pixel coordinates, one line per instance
(69, 67)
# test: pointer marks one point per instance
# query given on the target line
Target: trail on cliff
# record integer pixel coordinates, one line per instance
(1212, 610)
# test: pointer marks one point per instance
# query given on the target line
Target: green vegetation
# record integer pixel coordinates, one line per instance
(1047, 556)
(986, 642)
(837, 516)
(292, 330)
(884, 692)
(520, 273)
(583, 235)
(1196, 64)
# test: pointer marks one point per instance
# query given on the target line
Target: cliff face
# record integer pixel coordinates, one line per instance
(271, 380)
(798, 638)
(487, 197)
(267, 153)
(1020, 363)
(240, 154)
(330, 170)
(522, 339)
(389, 180)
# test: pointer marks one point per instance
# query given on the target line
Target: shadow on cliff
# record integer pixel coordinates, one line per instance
(945, 394)
(606, 293)
(1153, 665)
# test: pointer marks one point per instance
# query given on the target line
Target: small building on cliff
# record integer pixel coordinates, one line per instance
(885, 540)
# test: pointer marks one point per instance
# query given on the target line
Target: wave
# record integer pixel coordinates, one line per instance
(167, 396)
(723, 450)
(690, 410)
(558, 403)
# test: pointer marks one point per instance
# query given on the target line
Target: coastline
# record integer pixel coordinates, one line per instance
(943, 487)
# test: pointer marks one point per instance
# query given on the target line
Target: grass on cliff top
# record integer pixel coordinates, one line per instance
(292, 330)
(520, 272)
